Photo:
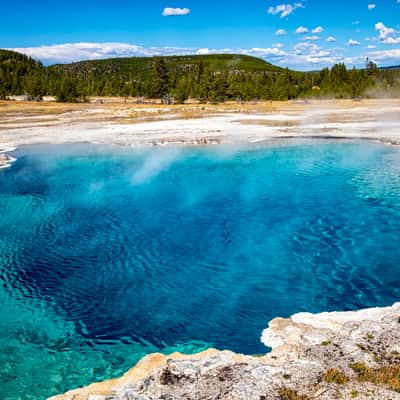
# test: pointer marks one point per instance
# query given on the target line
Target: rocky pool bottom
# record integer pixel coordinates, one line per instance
(110, 254)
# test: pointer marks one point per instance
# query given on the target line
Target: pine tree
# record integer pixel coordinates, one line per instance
(160, 83)
(67, 91)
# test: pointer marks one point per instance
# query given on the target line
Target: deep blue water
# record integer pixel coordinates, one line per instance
(109, 254)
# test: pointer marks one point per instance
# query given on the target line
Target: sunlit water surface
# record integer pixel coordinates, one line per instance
(109, 254)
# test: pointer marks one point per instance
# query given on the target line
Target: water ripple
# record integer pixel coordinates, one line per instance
(97, 268)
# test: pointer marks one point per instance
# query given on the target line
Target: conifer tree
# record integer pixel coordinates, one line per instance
(160, 83)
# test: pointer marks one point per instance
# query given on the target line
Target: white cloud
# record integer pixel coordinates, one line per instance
(312, 37)
(386, 57)
(260, 51)
(318, 29)
(169, 12)
(384, 31)
(387, 35)
(307, 54)
(353, 42)
(371, 6)
(305, 48)
(284, 9)
(301, 29)
(331, 39)
(203, 51)
(392, 40)
(280, 32)
(371, 46)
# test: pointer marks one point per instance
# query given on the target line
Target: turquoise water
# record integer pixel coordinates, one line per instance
(109, 254)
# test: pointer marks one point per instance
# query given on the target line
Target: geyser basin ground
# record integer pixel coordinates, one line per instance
(108, 254)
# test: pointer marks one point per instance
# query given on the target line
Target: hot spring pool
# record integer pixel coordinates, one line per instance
(109, 254)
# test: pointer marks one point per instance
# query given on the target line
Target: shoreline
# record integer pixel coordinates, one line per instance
(6, 160)
(313, 356)
(194, 125)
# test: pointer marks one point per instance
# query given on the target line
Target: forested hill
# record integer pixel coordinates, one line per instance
(142, 66)
(392, 67)
(213, 78)
(19, 74)
(200, 76)
(17, 60)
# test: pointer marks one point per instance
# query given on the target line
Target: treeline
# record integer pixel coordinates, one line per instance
(20, 74)
(214, 78)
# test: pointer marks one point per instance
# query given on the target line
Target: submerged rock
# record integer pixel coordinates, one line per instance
(343, 355)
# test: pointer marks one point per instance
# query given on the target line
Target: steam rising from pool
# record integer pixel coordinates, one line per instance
(108, 254)
(155, 161)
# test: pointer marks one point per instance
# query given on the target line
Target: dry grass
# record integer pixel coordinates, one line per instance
(291, 394)
(29, 107)
(127, 111)
(111, 104)
(384, 375)
(333, 375)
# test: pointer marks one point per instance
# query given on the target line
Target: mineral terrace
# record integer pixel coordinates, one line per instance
(343, 355)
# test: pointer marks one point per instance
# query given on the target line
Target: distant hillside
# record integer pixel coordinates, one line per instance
(208, 77)
(141, 66)
(18, 73)
(9, 57)
(391, 67)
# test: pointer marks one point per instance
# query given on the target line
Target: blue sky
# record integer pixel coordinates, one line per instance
(330, 31)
